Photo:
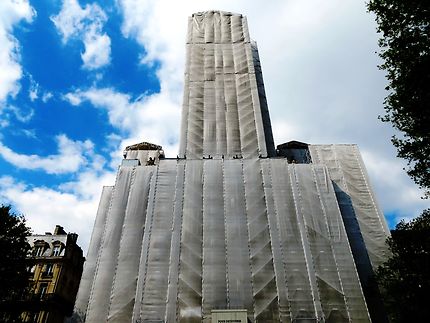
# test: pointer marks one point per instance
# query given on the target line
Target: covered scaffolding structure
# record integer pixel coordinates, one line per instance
(291, 234)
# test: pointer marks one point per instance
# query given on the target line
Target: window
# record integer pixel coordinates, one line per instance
(39, 248)
(49, 270)
(38, 251)
(42, 290)
(56, 251)
(57, 248)
(35, 317)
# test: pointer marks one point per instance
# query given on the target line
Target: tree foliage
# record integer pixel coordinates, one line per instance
(13, 253)
(405, 49)
(405, 278)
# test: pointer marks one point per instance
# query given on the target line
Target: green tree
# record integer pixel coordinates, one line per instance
(13, 263)
(405, 49)
(405, 278)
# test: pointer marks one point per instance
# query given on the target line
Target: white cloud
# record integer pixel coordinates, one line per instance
(34, 89)
(153, 118)
(394, 189)
(72, 204)
(47, 96)
(33, 94)
(85, 24)
(97, 49)
(29, 133)
(4, 123)
(19, 113)
(72, 98)
(11, 13)
(73, 20)
(73, 207)
(71, 156)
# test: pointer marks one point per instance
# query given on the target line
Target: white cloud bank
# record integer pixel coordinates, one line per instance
(12, 12)
(85, 24)
(153, 118)
(72, 206)
(71, 156)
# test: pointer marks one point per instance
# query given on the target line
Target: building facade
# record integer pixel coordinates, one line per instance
(55, 270)
(233, 226)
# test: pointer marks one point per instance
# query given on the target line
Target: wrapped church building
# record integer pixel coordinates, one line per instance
(233, 229)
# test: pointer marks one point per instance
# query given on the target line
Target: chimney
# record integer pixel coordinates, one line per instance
(59, 230)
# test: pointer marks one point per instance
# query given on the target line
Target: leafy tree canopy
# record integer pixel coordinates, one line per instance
(405, 49)
(13, 251)
(405, 278)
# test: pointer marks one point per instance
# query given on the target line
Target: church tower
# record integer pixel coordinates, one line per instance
(233, 230)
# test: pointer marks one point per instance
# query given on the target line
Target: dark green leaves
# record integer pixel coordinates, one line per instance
(405, 277)
(13, 252)
(405, 49)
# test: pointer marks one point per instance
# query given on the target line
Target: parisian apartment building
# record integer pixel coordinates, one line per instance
(54, 273)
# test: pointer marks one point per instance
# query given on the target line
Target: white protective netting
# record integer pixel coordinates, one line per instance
(197, 235)
(224, 109)
(223, 226)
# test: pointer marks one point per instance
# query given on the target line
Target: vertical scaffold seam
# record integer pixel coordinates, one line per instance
(225, 236)
(180, 248)
(176, 226)
(270, 237)
(147, 204)
(144, 252)
(185, 102)
(149, 240)
(330, 244)
(317, 295)
(204, 106)
(156, 285)
(133, 175)
(345, 188)
(305, 243)
(342, 232)
(260, 222)
(246, 116)
(341, 171)
(214, 286)
(365, 178)
(184, 123)
(275, 229)
(357, 243)
(220, 106)
(203, 240)
(195, 122)
(249, 247)
(189, 281)
(292, 243)
(101, 244)
(92, 254)
(232, 117)
(226, 28)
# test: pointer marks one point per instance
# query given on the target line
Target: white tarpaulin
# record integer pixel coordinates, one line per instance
(228, 227)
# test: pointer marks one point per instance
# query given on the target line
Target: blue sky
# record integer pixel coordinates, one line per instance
(80, 80)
